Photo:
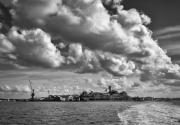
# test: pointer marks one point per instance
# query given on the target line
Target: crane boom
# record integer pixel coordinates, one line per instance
(30, 85)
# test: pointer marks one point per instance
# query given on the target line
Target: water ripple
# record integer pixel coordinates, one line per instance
(151, 114)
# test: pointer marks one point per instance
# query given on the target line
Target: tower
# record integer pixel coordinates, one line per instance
(109, 89)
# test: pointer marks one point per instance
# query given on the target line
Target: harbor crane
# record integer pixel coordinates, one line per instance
(32, 91)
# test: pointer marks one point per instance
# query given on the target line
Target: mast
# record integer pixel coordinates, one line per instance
(32, 91)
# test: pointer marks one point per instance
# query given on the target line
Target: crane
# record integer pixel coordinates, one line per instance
(32, 91)
(48, 93)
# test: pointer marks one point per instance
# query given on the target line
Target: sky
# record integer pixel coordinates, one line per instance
(163, 13)
(68, 46)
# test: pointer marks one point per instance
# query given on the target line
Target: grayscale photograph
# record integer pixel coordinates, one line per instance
(89, 62)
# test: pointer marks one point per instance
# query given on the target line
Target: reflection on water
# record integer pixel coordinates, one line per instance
(87, 113)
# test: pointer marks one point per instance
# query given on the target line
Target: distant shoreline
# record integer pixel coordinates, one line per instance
(175, 102)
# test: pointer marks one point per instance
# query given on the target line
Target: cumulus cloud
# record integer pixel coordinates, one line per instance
(116, 83)
(90, 62)
(118, 66)
(98, 34)
(75, 53)
(96, 28)
(29, 47)
(57, 89)
(121, 33)
(5, 45)
(35, 46)
(15, 89)
(94, 61)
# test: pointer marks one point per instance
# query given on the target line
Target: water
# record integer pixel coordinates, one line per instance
(89, 113)
(151, 114)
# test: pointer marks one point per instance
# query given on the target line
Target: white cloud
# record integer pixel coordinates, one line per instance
(116, 83)
(123, 33)
(75, 52)
(35, 46)
(119, 43)
(5, 45)
(17, 88)
(118, 66)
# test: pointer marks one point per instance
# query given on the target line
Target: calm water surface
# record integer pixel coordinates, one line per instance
(89, 113)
